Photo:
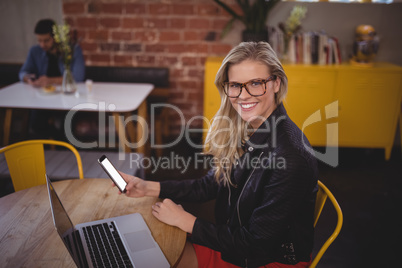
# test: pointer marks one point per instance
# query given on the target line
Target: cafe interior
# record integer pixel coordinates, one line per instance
(147, 99)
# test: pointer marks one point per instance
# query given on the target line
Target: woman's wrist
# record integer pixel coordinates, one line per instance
(152, 188)
(187, 224)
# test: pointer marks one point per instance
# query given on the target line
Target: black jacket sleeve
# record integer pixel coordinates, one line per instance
(196, 190)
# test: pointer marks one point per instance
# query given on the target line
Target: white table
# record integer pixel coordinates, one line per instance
(118, 98)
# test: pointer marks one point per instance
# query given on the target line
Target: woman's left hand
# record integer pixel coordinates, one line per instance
(171, 213)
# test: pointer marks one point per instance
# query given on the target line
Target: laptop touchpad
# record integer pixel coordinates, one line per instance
(140, 240)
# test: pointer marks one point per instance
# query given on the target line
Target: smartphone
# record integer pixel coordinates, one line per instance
(113, 173)
(32, 77)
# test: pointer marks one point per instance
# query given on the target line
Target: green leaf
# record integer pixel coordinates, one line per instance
(227, 28)
(229, 10)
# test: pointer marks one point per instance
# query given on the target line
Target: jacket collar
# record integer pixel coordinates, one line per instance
(265, 136)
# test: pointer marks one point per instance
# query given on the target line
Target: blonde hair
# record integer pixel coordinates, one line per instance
(228, 130)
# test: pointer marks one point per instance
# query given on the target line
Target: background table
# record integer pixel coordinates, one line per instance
(28, 237)
(118, 98)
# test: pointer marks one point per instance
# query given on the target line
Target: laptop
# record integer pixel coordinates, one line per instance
(123, 241)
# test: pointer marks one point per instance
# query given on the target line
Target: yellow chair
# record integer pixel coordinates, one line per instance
(26, 162)
(322, 195)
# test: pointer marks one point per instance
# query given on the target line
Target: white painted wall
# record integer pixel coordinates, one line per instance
(17, 22)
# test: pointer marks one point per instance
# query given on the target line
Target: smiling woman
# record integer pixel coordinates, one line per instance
(253, 108)
(264, 178)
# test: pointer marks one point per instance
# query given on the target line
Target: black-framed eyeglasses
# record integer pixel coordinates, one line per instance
(255, 87)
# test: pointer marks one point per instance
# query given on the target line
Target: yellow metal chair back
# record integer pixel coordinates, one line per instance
(322, 195)
(26, 162)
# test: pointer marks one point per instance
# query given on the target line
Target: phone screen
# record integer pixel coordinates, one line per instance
(113, 173)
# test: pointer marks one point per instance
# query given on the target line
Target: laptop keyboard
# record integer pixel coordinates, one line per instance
(105, 246)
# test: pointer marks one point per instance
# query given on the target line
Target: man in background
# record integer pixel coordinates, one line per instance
(43, 65)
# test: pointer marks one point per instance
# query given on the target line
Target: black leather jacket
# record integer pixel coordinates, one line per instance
(267, 216)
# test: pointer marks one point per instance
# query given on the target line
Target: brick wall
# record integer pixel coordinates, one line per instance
(167, 33)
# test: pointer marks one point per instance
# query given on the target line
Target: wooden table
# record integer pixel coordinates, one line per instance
(118, 98)
(28, 237)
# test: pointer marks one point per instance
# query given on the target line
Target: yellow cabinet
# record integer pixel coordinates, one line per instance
(367, 102)
(309, 90)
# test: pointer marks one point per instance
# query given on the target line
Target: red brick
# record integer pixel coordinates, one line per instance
(86, 22)
(156, 48)
(112, 8)
(159, 9)
(208, 9)
(191, 84)
(189, 61)
(219, 24)
(202, 59)
(123, 60)
(197, 48)
(199, 23)
(88, 46)
(220, 49)
(73, 8)
(134, 8)
(109, 46)
(176, 95)
(197, 73)
(145, 36)
(175, 72)
(100, 58)
(192, 36)
(98, 35)
(236, 9)
(132, 47)
(94, 8)
(156, 23)
(167, 60)
(177, 48)
(195, 96)
(121, 36)
(70, 21)
(182, 105)
(178, 23)
(146, 60)
(110, 22)
(132, 23)
(183, 9)
(169, 36)
(82, 34)
(210, 36)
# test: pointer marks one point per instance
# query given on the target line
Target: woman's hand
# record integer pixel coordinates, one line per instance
(137, 187)
(173, 214)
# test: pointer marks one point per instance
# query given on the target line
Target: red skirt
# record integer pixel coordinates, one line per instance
(209, 258)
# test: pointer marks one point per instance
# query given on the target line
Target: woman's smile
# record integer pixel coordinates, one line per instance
(247, 106)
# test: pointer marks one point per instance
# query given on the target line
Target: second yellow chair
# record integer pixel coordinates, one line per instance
(322, 195)
(26, 162)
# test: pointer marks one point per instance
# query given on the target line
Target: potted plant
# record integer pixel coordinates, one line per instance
(254, 17)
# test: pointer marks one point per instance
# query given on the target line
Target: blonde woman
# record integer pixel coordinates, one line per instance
(264, 180)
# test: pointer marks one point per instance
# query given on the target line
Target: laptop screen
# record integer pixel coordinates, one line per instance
(62, 222)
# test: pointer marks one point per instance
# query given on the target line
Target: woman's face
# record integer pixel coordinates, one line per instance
(254, 110)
